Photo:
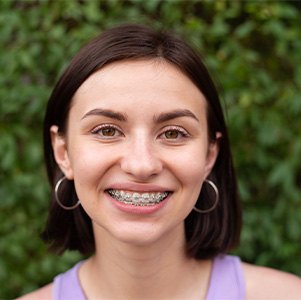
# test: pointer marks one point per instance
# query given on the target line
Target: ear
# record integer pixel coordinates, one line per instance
(212, 154)
(59, 146)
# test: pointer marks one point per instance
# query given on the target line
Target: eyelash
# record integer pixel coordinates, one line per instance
(97, 129)
(180, 130)
(183, 133)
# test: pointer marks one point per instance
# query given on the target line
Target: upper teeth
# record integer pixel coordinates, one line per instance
(136, 198)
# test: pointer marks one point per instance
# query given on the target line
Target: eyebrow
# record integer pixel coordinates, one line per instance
(161, 118)
(106, 113)
(178, 113)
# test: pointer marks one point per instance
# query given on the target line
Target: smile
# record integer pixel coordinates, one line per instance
(137, 199)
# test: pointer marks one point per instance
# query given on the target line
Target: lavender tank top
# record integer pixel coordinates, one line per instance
(226, 282)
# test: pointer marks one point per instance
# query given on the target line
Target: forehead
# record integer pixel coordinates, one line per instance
(149, 82)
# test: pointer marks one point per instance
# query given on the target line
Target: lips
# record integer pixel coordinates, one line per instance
(138, 198)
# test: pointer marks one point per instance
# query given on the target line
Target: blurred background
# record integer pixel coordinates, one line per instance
(253, 50)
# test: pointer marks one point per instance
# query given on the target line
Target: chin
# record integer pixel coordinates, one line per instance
(139, 235)
(136, 234)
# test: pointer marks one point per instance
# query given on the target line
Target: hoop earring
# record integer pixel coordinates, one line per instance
(56, 189)
(211, 183)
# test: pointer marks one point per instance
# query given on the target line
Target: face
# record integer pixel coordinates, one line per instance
(137, 149)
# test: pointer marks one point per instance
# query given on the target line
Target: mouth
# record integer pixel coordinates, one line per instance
(138, 199)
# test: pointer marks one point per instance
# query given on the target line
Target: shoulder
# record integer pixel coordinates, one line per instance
(44, 293)
(267, 283)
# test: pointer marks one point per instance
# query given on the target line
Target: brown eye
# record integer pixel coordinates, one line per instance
(108, 131)
(171, 134)
(174, 134)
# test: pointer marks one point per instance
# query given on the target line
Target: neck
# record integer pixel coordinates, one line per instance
(157, 271)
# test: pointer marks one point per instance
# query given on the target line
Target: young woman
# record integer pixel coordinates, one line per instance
(138, 156)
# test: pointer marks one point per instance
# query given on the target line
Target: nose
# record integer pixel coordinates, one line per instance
(140, 159)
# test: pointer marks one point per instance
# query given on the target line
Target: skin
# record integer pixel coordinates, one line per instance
(138, 157)
(155, 140)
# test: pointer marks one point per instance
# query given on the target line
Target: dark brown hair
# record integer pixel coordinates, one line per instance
(207, 234)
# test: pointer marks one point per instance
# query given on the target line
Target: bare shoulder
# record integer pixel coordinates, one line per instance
(267, 283)
(44, 293)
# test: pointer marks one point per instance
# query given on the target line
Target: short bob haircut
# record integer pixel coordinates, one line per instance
(208, 234)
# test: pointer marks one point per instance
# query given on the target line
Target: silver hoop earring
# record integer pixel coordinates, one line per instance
(56, 189)
(216, 199)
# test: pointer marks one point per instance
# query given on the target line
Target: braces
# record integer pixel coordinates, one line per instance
(145, 199)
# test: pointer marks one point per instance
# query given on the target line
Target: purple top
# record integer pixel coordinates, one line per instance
(226, 282)
(227, 279)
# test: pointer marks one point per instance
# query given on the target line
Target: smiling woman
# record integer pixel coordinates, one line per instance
(136, 146)
(149, 133)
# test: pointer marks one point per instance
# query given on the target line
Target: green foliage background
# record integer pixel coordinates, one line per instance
(253, 50)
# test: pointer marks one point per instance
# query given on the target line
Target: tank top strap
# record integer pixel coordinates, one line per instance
(227, 279)
(66, 286)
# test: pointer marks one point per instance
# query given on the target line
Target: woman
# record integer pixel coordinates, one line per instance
(138, 156)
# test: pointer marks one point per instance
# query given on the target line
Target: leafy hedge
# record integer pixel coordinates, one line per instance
(253, 50)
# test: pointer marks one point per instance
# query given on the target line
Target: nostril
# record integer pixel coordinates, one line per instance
(141, 166)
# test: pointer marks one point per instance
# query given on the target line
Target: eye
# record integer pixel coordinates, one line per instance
(174, 133)
(107, 131)
(171, 134)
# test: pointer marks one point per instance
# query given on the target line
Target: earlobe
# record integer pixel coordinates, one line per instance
(212, 154)
(59, 146)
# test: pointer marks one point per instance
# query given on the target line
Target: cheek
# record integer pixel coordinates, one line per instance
(189, 167)
(89, 164)
(192, 160)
